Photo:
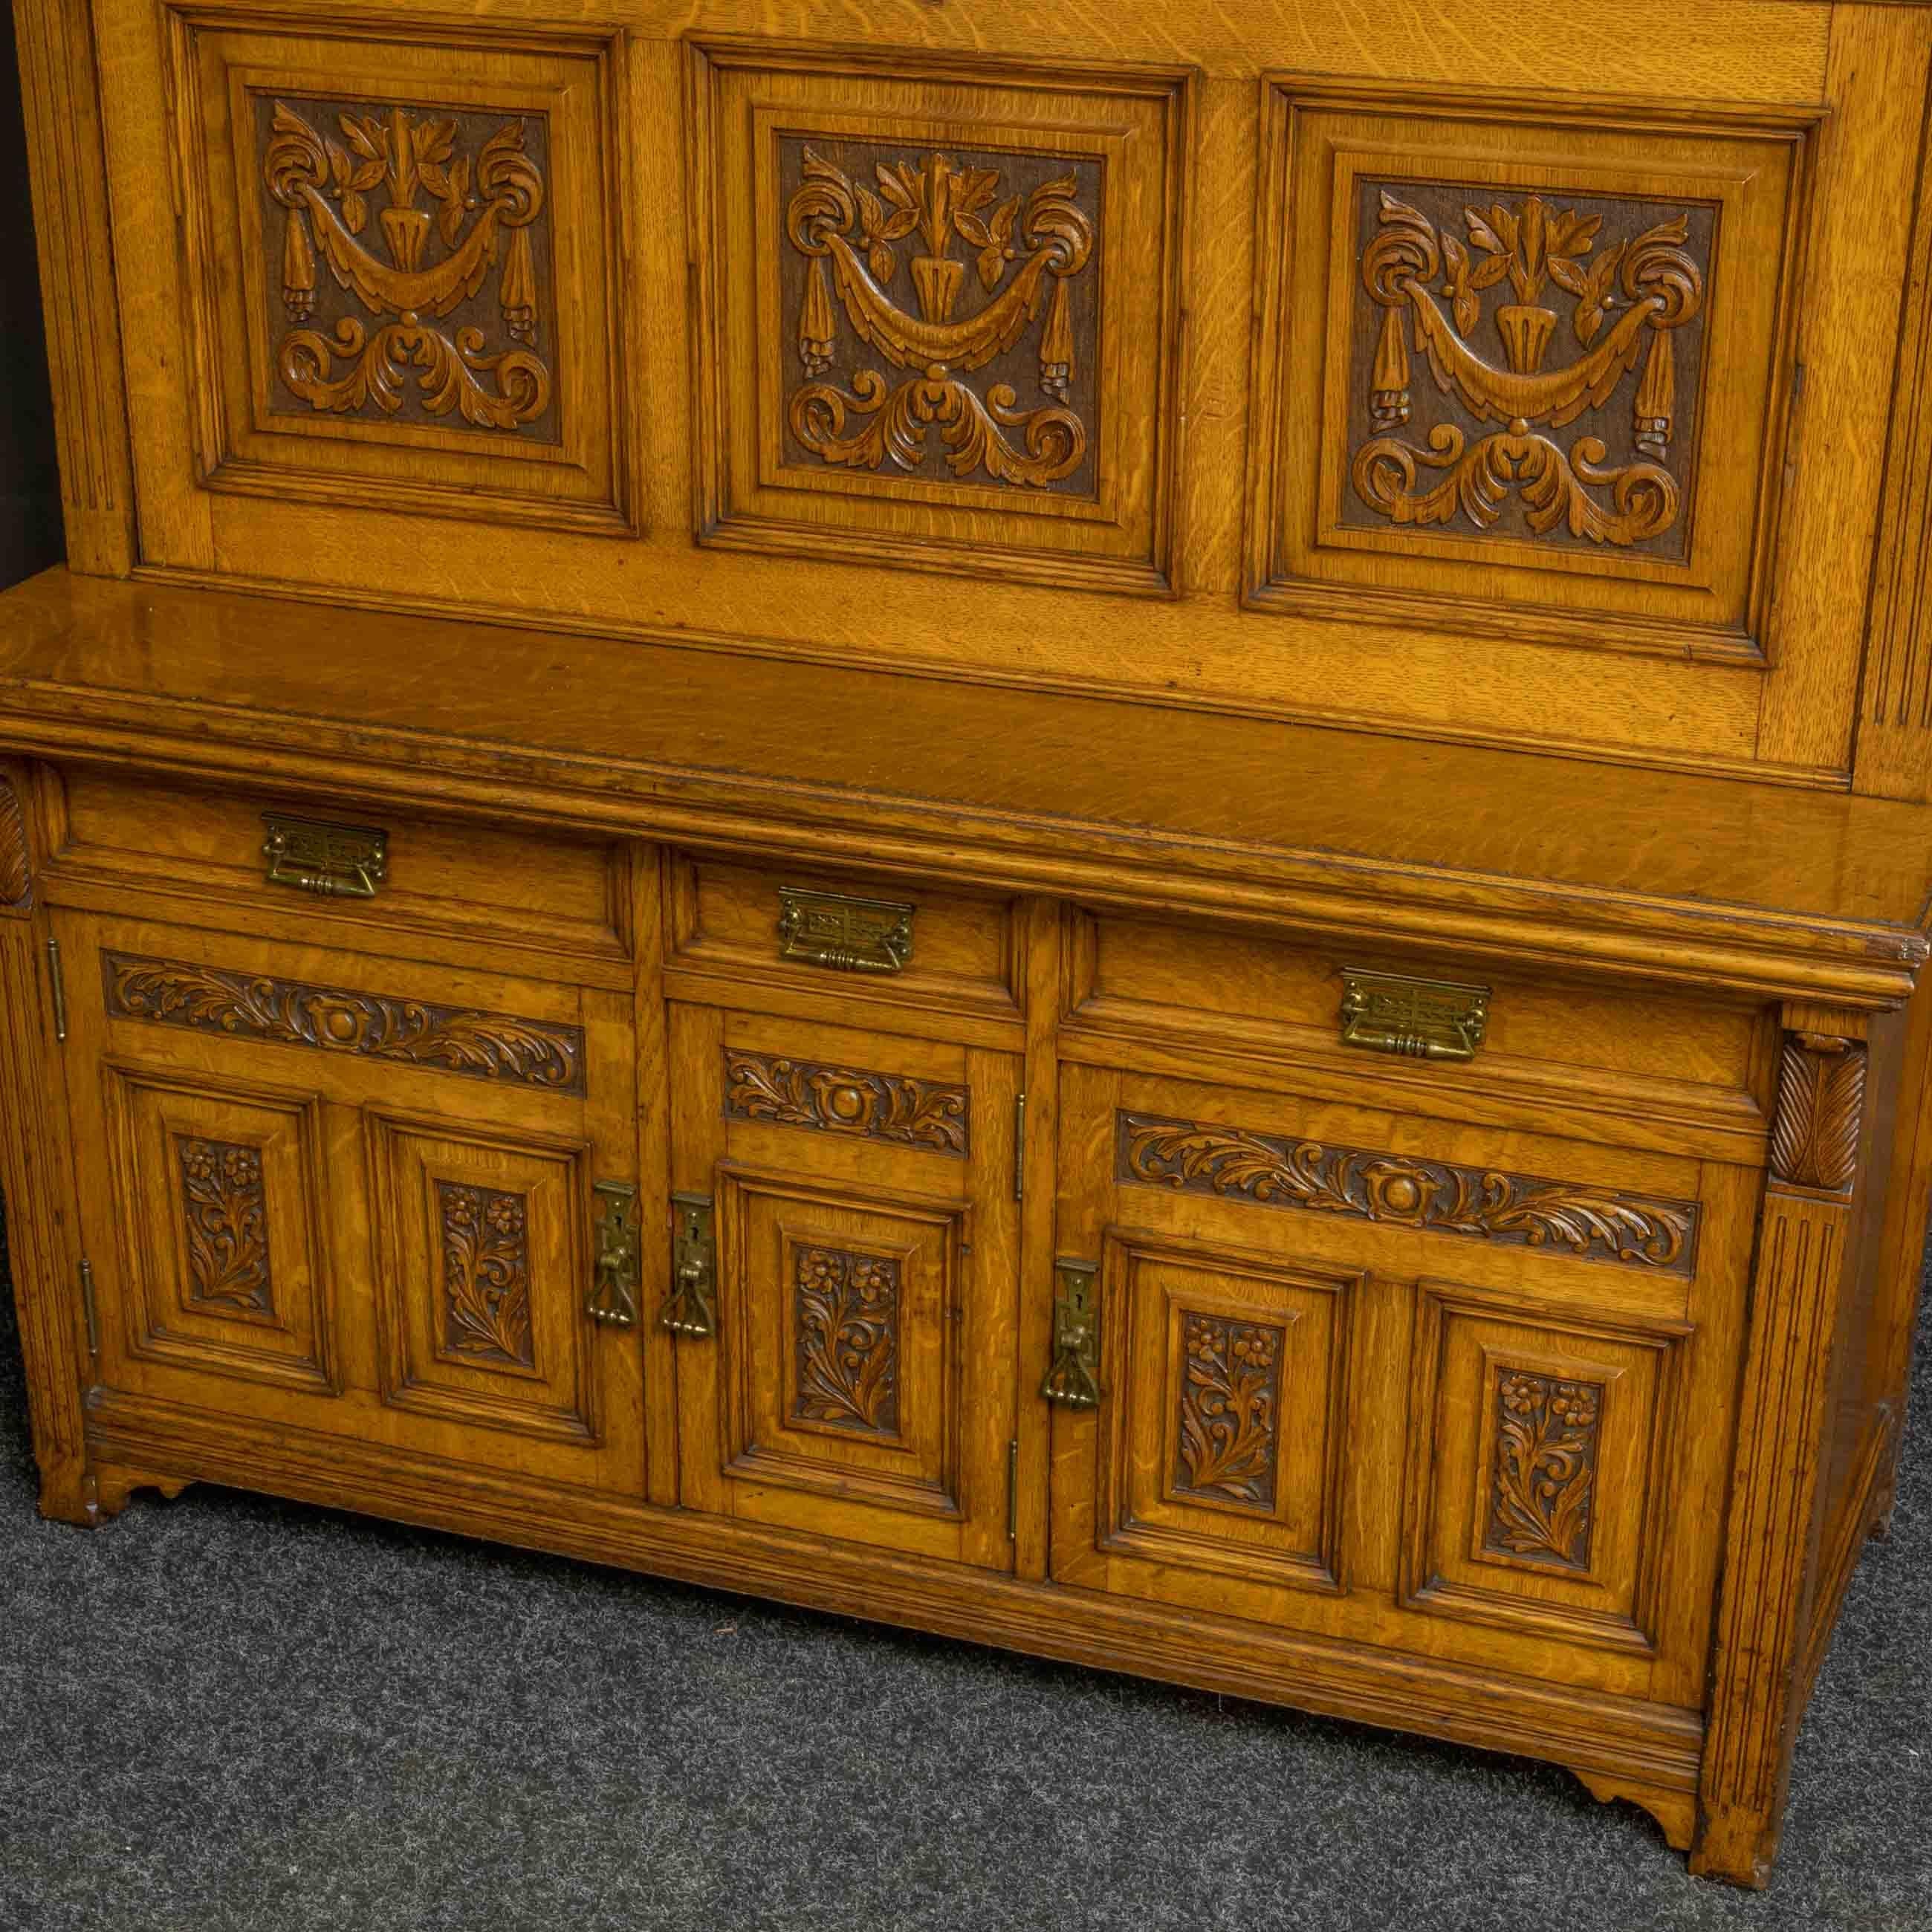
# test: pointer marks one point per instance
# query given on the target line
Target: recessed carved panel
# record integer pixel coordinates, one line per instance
(845, 1311)
(415, 262)
(486, 1273)
(1544, 1469)
(1601, 1223)
(1524, 374)
(1227, 1414)
(1528, 367)
(892, 1107)
(225, 1211)
(944, 306)
(289, 1012)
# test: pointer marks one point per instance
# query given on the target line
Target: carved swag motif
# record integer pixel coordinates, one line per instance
(846, 1312)
(1630, 296)
(889, 1107)
(452, 217)
(486, 1273)
(1024, 250)
(225, 1210)
(1230, 1389)
(1540, 1502)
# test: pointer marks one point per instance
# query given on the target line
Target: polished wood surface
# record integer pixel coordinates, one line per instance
(1109, 832)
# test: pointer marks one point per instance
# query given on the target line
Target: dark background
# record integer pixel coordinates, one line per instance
(30, 526)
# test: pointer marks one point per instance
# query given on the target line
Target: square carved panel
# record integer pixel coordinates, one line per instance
(1228, 1374)
(481, 1265)
(402, 274)
(1540, 1467)
(221, 1199)
(939, 303)
(1524, 370)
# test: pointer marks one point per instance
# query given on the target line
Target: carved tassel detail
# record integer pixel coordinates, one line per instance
(1656, 399)
(1388, 382)
(298, 267)
(815, 324)
(1056, 345)
(520, 288)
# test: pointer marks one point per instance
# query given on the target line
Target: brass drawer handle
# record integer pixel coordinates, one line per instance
(850, 935)
(613, 1282)
(1422, 1019)
(332, 861)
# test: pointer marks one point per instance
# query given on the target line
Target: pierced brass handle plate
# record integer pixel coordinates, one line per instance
(691, 1307)
(850, 935)
(1420, 1019)
(613, 1283)
(331, 861)
(1073, 1376)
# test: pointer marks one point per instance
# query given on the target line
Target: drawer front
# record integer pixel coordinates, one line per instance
(445, 877)
(1458, 1392)
(799, 934)
(1635, 1068)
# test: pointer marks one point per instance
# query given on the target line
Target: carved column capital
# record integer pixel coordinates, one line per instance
(1821, 1093)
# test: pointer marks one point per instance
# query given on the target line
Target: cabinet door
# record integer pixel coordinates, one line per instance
(1450, 1389)
(352, 1194)
(858, 1380)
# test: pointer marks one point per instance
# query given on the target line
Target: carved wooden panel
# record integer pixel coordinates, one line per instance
(1277, 1170)
(1224, 1447)
(334, 1019)
(16, 876)
(222, 1204)
(930, 345)
(1542, 1466)
(1550, 357)
(891, 1107)
(846, 1319)
(402, 284)
(482, 1274)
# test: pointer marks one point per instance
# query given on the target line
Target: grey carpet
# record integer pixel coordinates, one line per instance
(228, 1712)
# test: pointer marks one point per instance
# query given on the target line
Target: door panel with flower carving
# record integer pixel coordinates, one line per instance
(1397, 1380)
(855, 1377)
(361, 1185)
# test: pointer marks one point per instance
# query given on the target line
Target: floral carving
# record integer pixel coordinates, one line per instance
(1629, 297)
(1230, 1389)
(847, 1309)
(845, 1100)
(1541, 1499)
(1023, 249)
(486, 1273)
(226, 1209)
(451, 218)
(452, 1039)
(1398, 1190)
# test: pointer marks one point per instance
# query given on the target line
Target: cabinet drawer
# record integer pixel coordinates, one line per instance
(519, 888)
(797, 932)
(1640, 1069)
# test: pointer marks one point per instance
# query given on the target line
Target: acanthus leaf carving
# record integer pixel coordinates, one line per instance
(846, 1100)
(1821, 1091)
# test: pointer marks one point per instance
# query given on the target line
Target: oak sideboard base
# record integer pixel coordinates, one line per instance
(1675, 1812)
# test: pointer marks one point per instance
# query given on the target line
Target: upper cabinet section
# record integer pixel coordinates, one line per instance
(1526, 384)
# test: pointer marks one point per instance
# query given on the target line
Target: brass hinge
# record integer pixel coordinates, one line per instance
(89, 1309)
(690, 1308)
(1013, 1490)
(614, 1274)
(58, 979)
(1073, 1376)
(1019, 1147)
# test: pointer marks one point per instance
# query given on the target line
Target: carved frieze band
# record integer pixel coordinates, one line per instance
(288, 1012)
(1821, 1093)
(1542, 1497)
(486, 1273)
(1397, 1189)
(462, 194)
(225, 1208)
(846, 1100)
(1634, 291)
(1225, 1444)
(846, 1314)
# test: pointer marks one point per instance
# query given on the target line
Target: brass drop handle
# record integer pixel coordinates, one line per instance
(331, 861)
(848, 934)
(614, 1274)
(1073, 1376)
(691, 1307)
